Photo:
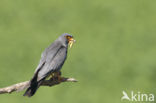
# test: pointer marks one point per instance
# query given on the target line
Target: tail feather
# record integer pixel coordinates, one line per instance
(34, 84)
(31, 90)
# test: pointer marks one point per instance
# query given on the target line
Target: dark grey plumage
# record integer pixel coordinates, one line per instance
(51, 61)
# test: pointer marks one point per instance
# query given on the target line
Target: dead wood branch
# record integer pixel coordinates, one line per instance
(23, 85)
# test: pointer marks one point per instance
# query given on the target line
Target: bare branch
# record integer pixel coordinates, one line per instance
(23, 85)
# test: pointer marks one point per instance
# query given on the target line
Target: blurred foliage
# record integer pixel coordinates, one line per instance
(115, 48)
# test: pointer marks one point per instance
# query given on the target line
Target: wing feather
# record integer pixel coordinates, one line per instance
(53, 58)
(54, 64)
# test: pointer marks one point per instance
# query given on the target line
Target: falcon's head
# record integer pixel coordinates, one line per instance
(67, 39)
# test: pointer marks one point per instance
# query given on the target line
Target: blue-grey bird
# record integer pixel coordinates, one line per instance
(52, 60)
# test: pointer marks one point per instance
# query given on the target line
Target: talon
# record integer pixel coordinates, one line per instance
(57, 76)
(60, 79)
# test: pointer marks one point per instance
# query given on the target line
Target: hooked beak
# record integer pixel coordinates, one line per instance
(71, 41)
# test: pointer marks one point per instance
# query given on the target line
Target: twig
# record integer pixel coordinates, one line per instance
(23, 85)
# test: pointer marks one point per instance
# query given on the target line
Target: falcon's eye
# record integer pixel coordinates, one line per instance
(68, 37)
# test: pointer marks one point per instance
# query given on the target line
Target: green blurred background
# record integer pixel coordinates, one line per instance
(115, 48)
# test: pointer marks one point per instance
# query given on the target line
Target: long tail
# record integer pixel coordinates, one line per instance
(32, 89)
(34, 85)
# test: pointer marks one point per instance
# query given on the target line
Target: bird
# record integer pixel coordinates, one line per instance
(51, 62)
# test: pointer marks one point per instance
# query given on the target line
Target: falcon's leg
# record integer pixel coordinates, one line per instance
(49, 77)
(58, 76)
